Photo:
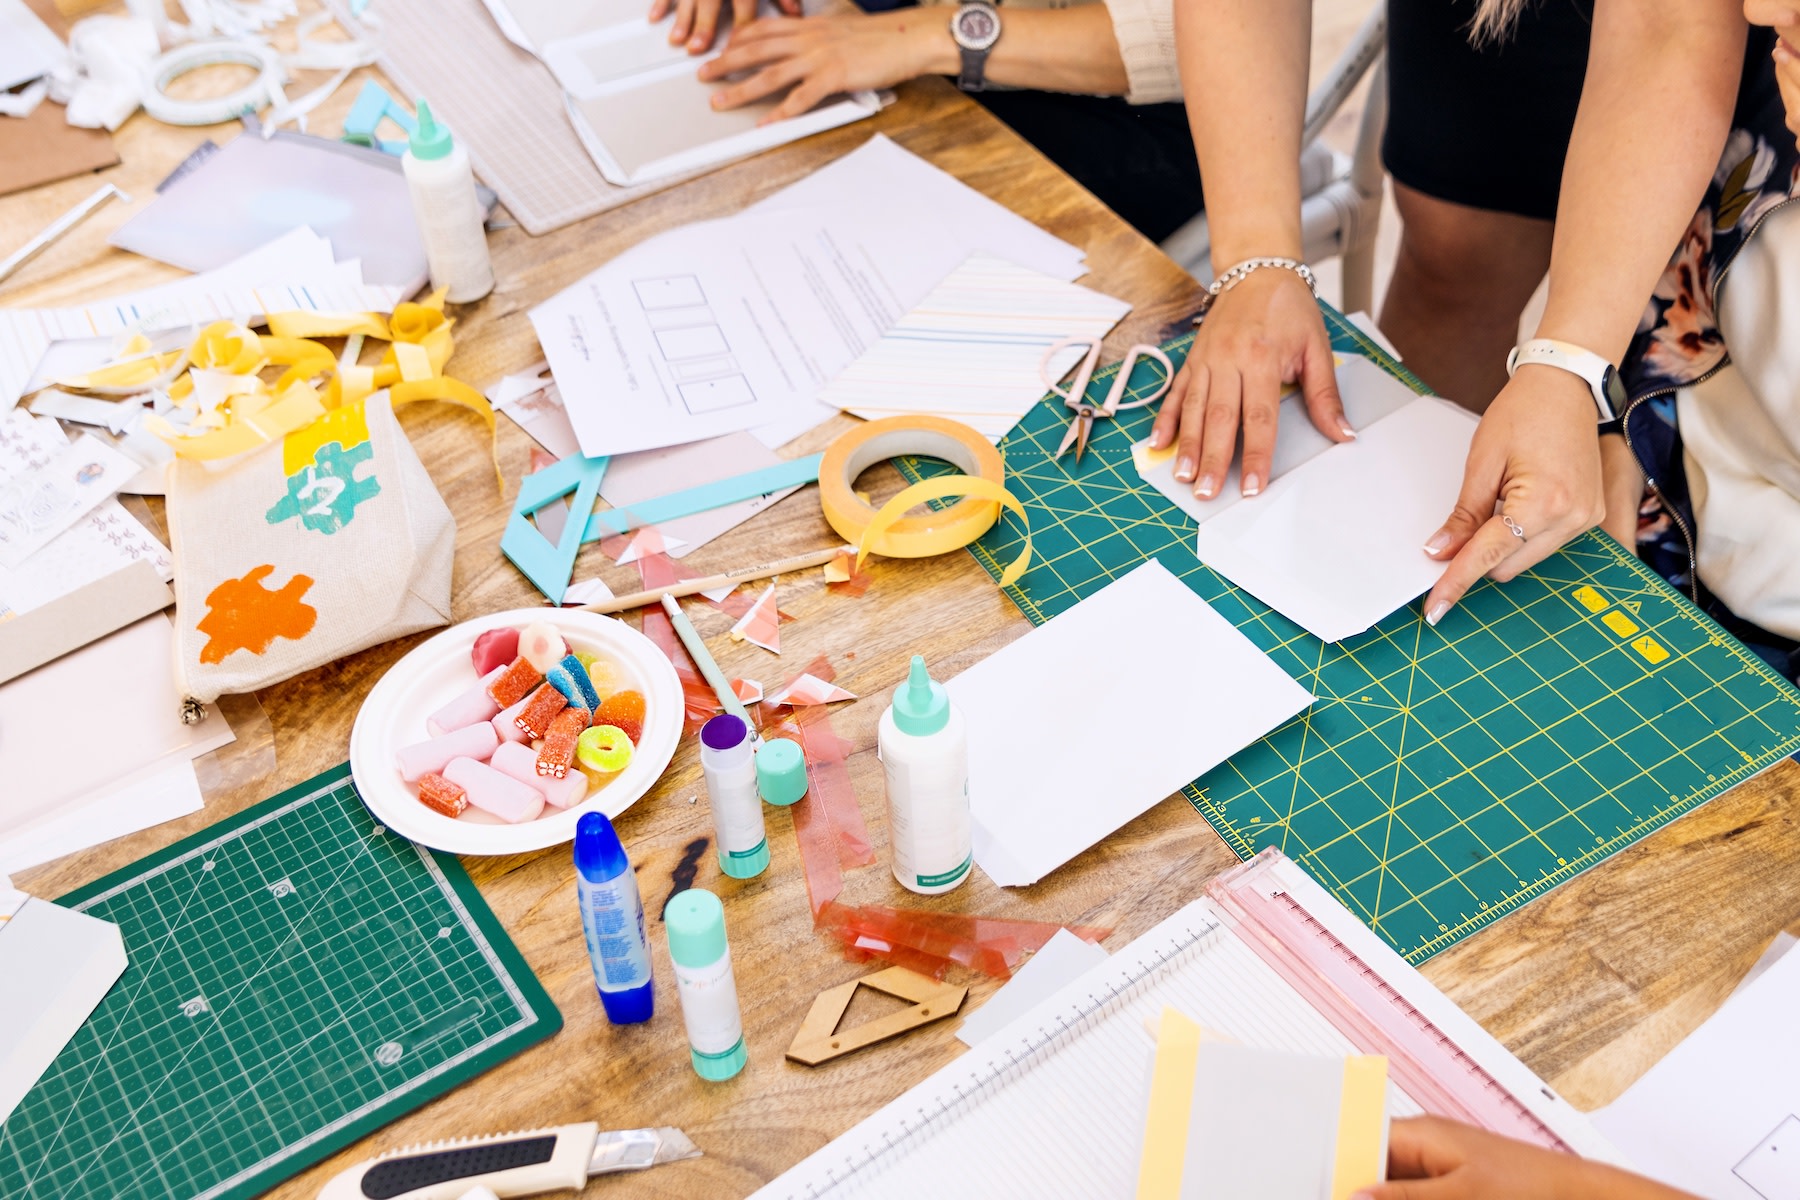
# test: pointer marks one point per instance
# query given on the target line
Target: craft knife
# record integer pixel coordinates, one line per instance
(562, 1158)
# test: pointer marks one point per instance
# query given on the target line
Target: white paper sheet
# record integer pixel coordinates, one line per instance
(1169, 687)
(161, 793)
(60, 767)
(1337, 544)
(1063, 958)
(973, 350)
(28, 48)
(1720, 1115)
(736, 324)
(1369, 394)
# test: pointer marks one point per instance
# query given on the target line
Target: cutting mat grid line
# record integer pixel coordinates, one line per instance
(298, 976)
(1445, 776)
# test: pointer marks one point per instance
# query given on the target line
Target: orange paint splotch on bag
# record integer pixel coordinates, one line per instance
(242, 614)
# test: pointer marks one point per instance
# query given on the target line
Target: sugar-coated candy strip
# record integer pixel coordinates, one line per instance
(558, 750)
(516, 683)
(441, 796)
(571, 679)
(520, 761)
(424, 758)
(471, 708)
(494, 792)
(495, 648)
(541, 646)
(540, 710)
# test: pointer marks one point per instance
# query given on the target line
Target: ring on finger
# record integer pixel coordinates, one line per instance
(1513, 527)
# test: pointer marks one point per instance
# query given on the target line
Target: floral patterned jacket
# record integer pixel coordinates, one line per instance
(1678, 340)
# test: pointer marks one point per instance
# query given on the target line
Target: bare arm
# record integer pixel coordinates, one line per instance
(1243, 71)
(1057, 50)
(1655, 110)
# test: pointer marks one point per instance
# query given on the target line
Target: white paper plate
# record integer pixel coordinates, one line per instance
(440, 670)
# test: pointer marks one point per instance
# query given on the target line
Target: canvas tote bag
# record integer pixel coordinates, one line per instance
(323, 543)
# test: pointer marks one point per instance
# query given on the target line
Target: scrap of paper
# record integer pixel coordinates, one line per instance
(810, 689)
(39, 503)
(761, 626)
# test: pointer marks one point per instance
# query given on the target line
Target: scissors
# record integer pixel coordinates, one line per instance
(1075, 396)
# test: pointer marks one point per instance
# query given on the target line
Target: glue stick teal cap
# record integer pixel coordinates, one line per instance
(921, 706)
(781, 771)
(695, 921)
(431, 140)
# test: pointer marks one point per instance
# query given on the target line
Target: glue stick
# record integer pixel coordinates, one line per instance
(728, 760)
(923, 745)
(448, 211)
(612, 917)
(709, 1001)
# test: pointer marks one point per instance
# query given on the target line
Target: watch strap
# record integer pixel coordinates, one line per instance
(1594, 370)
(974, 70)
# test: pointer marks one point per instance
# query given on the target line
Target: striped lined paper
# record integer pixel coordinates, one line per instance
(972, 349)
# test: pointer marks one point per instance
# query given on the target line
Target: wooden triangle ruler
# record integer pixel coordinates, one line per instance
(820, 1041)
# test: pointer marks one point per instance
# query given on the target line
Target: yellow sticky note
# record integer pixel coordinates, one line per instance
(1362, 1126)
(1591, 600)
(1619, 623)
(1171, 1104)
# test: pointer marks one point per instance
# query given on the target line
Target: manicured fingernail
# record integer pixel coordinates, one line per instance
(1781, 53)
(1437, 613)
(695, 43)
(1438, 541)
(1344, 428)
(1158, 439)
(1184, 470)
(1252, 484)
(1206, 487)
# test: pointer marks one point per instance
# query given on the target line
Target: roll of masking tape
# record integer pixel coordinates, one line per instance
(889, 531)
(265, 89)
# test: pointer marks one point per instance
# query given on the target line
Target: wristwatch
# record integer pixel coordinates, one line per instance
(1601, 376)
(975, 27)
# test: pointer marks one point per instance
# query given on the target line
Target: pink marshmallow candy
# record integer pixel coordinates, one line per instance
(471, 708)
(494, 792)
(520, 761)
(422, 758)
(506, 725)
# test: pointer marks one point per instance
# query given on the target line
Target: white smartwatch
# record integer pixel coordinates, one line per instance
(1601, 376)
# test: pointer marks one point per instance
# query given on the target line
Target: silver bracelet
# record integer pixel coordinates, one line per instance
(1242, 271)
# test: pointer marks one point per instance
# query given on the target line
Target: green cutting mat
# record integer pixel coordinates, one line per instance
(1445, 776)
(298, 977)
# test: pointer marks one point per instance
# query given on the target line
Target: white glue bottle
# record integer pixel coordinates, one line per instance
(924, 751)
(709, 1001)
(448, 211)
(728, 760)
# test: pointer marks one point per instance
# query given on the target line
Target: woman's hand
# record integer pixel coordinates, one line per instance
(1262, 334)
(812, 58)
(1536, 454)
(1430, 1158)
(697, 21)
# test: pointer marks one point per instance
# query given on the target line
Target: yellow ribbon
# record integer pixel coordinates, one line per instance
(225, 421)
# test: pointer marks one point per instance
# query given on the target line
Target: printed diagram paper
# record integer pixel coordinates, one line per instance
(1169, 688)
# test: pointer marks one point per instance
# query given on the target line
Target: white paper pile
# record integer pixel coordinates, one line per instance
(731, 325)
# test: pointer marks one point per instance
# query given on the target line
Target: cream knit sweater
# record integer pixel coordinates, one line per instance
(1146, 33)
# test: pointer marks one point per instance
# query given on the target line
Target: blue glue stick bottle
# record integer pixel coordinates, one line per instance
(612, 916)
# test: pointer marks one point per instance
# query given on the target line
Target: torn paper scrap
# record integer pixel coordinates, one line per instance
(761, 626)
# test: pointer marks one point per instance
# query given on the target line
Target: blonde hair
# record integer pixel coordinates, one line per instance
(1494, 19)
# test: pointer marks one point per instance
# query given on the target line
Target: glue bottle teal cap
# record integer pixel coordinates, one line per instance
(430, 140)
(695, 921)
(921, 706)
(781, 771)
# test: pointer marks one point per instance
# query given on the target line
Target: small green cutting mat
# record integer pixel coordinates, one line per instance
(298, 977)
(1446, 776)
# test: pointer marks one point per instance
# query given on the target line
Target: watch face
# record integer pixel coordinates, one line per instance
(977, 27)
(1614, 387)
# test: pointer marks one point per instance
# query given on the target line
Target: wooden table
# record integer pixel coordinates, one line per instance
(1588, 985)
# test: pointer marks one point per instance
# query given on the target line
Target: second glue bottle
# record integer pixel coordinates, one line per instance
(924, 750)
